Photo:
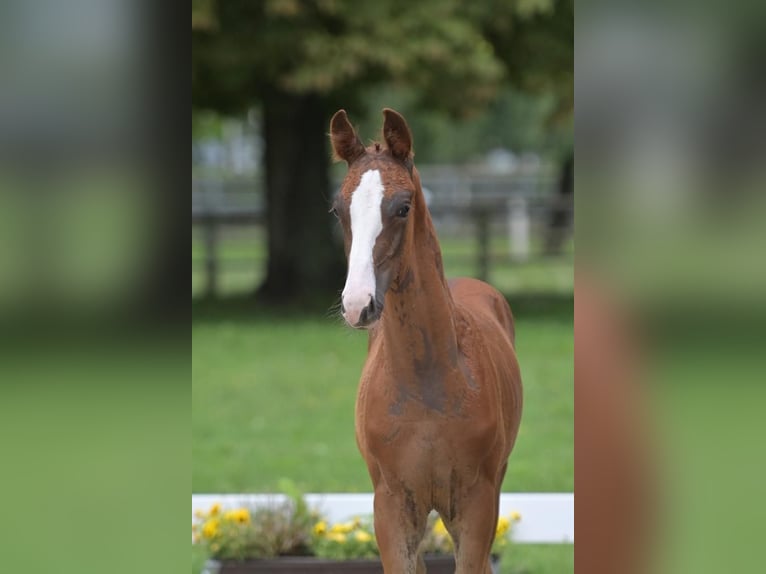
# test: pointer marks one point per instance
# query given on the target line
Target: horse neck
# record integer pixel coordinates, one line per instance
(419, 307)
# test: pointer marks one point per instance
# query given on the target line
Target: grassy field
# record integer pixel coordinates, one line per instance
(274, 397)
(274, 391)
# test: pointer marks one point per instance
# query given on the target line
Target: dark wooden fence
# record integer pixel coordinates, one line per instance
(465, 204)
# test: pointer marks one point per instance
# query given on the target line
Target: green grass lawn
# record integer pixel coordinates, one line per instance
(274, 391)
(273, 397)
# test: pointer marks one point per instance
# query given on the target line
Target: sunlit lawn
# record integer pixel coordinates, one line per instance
(274, 398)
(274, 392)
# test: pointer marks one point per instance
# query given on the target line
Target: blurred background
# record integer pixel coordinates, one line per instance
(671, 141)
(487, 89)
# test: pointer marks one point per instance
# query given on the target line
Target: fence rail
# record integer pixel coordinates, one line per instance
(459, 202)
(546, 517)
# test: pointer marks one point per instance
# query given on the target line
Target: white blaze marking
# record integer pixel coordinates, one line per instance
(366, 225)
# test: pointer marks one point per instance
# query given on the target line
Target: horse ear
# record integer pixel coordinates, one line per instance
(346, 145)
(397, 134)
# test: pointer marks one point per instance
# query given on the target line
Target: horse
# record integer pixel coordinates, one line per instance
(439, 400)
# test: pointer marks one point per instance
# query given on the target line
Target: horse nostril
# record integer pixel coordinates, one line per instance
(342, 307)
(371, 308)
(368, 311)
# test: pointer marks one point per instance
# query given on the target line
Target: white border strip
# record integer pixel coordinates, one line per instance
(546, 517)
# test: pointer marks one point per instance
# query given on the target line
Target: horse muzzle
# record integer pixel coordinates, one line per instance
(361, 315)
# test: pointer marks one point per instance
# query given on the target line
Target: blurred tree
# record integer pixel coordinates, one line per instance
(299, 60)
(517, 120)
(535, 41)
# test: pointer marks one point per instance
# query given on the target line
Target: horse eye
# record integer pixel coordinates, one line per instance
(403, 211)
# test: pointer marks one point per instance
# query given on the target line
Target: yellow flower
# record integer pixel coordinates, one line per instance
(362, 536)
(320, 528)
(240, 516)
(336, 537)
(243, 517)
(439, 527)
(342, 528)
(215, 509)
(199, 513)
(515, 516)
(210, 529)
(503, 524)
(357, 522)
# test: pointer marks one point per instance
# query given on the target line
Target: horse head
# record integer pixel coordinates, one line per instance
(375, 207)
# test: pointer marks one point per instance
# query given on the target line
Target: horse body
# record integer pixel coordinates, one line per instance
(439, 401)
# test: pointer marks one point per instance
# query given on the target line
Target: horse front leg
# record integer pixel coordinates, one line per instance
(473, 527)
(400, 523)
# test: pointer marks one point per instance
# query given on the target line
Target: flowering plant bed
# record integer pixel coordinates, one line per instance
(290, 538)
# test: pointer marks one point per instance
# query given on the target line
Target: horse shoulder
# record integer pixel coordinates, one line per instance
(483, 302)
(486, 339)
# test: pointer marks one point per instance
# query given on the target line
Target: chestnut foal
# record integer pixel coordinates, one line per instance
(439, 400)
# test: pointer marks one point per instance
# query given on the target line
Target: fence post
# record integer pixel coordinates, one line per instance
(518, 228)
(211, 256)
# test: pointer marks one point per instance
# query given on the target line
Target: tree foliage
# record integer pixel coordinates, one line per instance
(537, 49)
(454, 54)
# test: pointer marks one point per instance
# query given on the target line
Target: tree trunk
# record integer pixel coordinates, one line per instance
(303, 258)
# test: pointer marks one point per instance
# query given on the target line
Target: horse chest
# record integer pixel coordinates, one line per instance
(418, 421)
(438, 393)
